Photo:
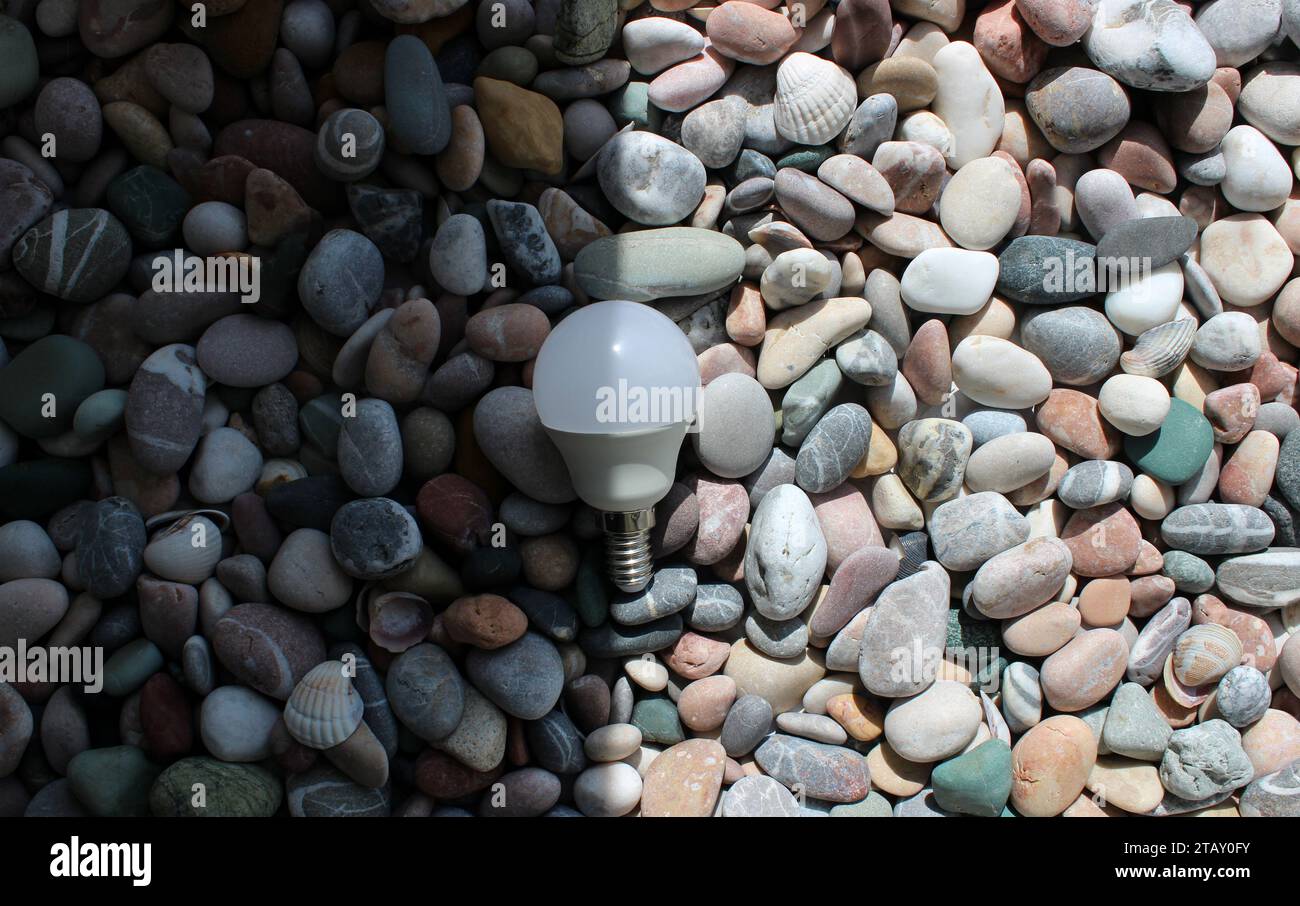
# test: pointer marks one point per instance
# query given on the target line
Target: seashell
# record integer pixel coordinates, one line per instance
(997, 724)
(1161, 349)
(815, 99)
(1182, 695)
(186, 551)
(324, 710)
(276, 472)
(778, 236)
(913, 549)
(1204, 653)
(398, 620)
(164, 519)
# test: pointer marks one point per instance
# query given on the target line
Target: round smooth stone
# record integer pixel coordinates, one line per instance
(226, 464)
(1176, 451)
(1077, 109)
(1242, 696)
(949, 281)
(1050, 766)
(57, 369)
(247, 351)
(651, 264)
(968, 101)
(1227, 342)
(780, 584)
(607, 790)
(1022, 578)
(650, 179)
(1043, 630)
(1094, 482)
(935, 724)
(736, 426)
(858, 181)
(1246, 258)
(980, 203)
(1040, 270)
(1146, 299)
(1256, 177)
(998, 373)
(1209, 529)
(418, 111)
(834, 446)
(341, 305)
(236, 724)
(654, 43)
(1273, 795)
(267, 647)
(20, 67)
(1267, 101)
(1135, 405)
(970, 530)
(1085, 670)
(909, 615)
(1077, 345)
(759, 796)
(512, 438)
(746, 724)
(1148, 45)
(987, 424)
(374, 538)
(1009, 462)
(524, 678)
(826, 772)
(76, 254)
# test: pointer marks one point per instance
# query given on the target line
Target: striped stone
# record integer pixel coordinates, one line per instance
(1095, 482)
(78, 254)
(1265, 580)
(1217, 528)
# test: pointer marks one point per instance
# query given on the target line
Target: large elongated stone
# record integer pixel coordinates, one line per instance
(1217, 528)
(654, 264)
(1266, 580)
(786, 554)
(830, 773)
(904, 638)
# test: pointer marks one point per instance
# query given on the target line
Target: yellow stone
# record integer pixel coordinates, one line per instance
(1125, 783)
(524, 129)
(881, 455)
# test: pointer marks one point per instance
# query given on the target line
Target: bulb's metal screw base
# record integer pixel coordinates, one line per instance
(627, 548)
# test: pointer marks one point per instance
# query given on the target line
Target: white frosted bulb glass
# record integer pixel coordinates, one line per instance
(616, 386)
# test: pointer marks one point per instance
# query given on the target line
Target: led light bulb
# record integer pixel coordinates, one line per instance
(616, 385)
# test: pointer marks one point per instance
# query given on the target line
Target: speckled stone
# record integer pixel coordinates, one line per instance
(1077, 345)
(110, 547)
(932, 457)
(831, 773)
(834, 446)
(968, 531)
(1204, 760)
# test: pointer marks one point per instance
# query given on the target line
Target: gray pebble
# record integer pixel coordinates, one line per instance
(375, 538)
(370, 449)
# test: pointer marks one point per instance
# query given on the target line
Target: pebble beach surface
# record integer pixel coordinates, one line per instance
(992, 507)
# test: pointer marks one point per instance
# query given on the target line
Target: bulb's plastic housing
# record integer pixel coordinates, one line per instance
(616, 384)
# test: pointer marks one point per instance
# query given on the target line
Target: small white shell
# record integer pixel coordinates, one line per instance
(323, 710)
(815, 99)
(186, 551)
(1161, 349)
(1204, 653)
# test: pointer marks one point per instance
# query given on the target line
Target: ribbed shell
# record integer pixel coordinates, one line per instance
(1161, 349)
(174, 554)
(815, 99)
(323, 709)
(1180, 692)
(1204, 653)
(915, 551)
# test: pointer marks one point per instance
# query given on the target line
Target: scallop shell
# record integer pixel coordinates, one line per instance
(398, 620)
(815, 99)
(1204, 653)
(323, 710)
(1161, 349)
(182, 553)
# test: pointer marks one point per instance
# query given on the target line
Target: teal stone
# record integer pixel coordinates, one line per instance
(1191, 574)
(150, 204)
(320, 421)
(750, 164)
(101, 414)
(807, 400)
(1175, 452)
(591, 599)
(228, 790)
(631, 104)
(977, 783)
(113, 782)
(59, 365)
(40, 488)
(807, 159)
(656, 718)
(874, 806)
(129, 666)
(964, 631)
(509, 64)
(19, 67)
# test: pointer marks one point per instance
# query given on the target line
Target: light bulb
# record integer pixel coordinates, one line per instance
(616, 385)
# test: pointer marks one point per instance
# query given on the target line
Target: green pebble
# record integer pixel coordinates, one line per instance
(100, 414)
(591, 599)
(977, 783)
(19, 68)
(113, 782)
(964, 631)
(61, 366)
(807, 400)
(806, 159)
(129, 667)
(631, 104)
(874, 806)
(35, 490)
(656, 718)
(1175, 452)
(149, 203)
(1190, 573)
(510, 64)
(229, 790)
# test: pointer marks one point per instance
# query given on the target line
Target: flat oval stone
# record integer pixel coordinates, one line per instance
(970, 530)
(651, 264)
(1217, 528)
(339, 303)
(512, 437)
(524, 678)
(934, 725)
(1012, 461)
(418, 112)
(1085, 670)
(736, 426)
(650, 179)
(998, 373)
(786, 554)
(267, 647)
(759, 796)
(830, 773)
(1077, 345)
(1094, 482)
(834, 446)
(815, 207)
(684, 781)
(1043, 270)
(1050, 764)
(715, 607)
(904, 638)
(1178, 449)
(855, 584)
(77, 254)
(1264, 580)
(1018, 580)
(1078, 109)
